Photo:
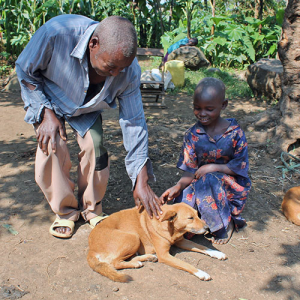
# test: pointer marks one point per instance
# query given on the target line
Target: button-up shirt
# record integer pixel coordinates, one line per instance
(56, 63)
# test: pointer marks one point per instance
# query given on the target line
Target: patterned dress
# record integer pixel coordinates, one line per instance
(218, 197)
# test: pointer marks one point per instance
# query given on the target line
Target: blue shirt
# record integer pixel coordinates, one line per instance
(175, 46)
(55, 61)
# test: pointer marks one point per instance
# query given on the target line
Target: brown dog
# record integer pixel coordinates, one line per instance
(128, 232)
(291, 205)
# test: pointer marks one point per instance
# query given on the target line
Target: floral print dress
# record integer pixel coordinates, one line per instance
(218, 197)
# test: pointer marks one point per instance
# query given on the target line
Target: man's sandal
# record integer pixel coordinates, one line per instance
(98, 219)
(62, 223)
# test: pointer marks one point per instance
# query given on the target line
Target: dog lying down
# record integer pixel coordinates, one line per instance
(131, 233)
(291, 205)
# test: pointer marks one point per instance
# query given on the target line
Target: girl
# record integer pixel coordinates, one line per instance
(214, 159)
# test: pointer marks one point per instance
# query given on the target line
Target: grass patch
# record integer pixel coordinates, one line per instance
(235, 87)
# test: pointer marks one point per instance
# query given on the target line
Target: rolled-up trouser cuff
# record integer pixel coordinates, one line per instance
(87, 214)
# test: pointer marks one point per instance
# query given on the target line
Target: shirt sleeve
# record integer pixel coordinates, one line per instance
(188, 160)
(31, 62)
(240, 162)
(134, 128)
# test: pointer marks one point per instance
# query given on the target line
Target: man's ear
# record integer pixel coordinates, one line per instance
(224, 104)
(94, 43)
(170, 216)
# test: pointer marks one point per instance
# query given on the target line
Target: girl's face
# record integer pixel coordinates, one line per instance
(208, 111)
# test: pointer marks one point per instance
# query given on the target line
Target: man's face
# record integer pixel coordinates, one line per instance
(108, 64)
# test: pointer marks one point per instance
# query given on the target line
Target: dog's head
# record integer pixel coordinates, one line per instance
(183, 218)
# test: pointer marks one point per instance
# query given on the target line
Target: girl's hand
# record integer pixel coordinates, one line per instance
(210, 168)
(171, 193)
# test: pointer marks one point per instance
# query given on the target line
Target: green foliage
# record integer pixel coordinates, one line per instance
(21, 18)
(238, 38)
(237, 41)
(172, 37)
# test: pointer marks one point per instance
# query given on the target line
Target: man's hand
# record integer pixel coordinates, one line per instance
(143, 195)
(48, 129)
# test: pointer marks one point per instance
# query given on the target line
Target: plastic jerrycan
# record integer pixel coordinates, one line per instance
(176, 68)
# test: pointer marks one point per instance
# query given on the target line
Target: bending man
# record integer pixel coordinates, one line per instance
(72, 69)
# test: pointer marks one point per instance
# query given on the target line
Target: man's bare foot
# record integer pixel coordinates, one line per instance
(63, 230)
(221, 236)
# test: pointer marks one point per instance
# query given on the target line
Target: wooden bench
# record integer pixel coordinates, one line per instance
(153, 92)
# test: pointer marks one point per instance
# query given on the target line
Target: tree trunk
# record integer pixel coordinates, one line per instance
(287, 133)
(188, 17)
(261, 9)
(171, 14)
(256, 9)
(158, 8)
(213, 11)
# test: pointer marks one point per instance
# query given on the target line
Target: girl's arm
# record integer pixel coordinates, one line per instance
(210, 168)
(175, 191)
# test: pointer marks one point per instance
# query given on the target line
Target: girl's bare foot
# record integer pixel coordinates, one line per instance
(221, 236)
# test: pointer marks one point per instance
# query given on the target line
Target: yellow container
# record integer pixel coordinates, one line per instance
(176, 68)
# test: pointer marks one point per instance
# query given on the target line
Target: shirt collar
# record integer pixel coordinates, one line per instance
(233, 125)
(80, 48)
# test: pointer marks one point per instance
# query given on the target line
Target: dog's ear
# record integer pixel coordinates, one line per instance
(170, 216)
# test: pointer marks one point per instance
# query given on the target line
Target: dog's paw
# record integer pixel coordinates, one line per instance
(216, 254)
(153, 258)
(202, 275)
(138, 264)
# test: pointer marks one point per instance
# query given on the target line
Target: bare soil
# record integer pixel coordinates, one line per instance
(263, 259)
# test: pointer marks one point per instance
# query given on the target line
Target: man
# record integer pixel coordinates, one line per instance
(180, 43)
(71, 70)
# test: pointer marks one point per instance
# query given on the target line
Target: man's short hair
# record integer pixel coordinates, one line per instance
(193, 41)
(115, 33)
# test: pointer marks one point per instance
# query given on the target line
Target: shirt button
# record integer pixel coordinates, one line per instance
(85, 92)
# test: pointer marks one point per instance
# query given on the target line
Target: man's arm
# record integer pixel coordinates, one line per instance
(35, 58)
(143, 195)
(135, 138)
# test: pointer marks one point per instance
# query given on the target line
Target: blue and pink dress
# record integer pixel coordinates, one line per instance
(218, 197)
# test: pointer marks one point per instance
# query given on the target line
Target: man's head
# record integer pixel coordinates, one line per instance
(193, 42)
(112, 46)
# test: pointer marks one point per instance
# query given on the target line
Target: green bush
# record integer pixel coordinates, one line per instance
(237, 41)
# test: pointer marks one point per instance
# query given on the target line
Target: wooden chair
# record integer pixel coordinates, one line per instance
(153, 92)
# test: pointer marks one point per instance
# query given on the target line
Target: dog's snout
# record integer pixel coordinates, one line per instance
(206, 227)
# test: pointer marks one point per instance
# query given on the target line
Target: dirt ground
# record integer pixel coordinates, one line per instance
(263, 259)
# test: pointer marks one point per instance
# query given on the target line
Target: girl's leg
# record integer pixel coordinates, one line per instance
(212, 202)
(221, 236)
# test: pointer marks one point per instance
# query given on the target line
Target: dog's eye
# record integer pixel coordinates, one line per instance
(191, 218)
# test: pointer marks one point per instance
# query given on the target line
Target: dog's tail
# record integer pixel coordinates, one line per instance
(106, 269)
